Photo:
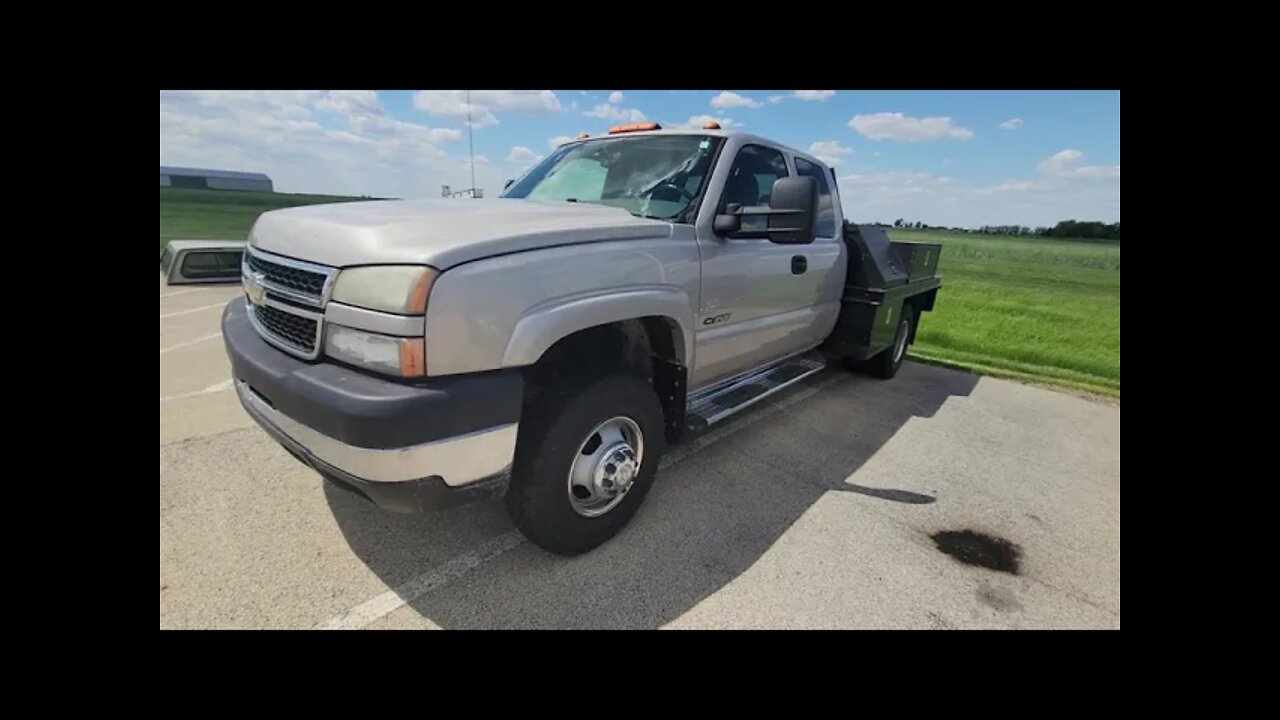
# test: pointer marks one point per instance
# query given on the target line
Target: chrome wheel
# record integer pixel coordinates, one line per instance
(900, 346)
(606, 466)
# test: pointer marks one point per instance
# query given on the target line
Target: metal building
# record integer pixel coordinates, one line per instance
(213, 179)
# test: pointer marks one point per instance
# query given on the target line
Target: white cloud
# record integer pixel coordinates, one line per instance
(1060, 162)
(351, 102)
(558, 140)
(284, 104)
(819, 95)
(728, 101)
(613, 113)
(829, 151)
(453, 103)
(697, 121)
(775, 99)
(941, 200)
(1067, 164)
(1011, 124)
(896, 126)
(292, 137)
(450, 104)
(615, 97)
(381, 125)
(523, 156)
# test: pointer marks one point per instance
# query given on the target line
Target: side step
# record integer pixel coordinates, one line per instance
(720, 401)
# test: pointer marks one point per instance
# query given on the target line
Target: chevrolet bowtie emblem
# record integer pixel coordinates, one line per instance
(254, 289)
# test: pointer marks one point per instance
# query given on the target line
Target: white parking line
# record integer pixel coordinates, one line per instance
(188, 343)
(368, 612)
(218, 387)
(183, 292)
(198, 309)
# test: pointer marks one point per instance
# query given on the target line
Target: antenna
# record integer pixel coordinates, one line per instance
(471, 148)
(472, 191)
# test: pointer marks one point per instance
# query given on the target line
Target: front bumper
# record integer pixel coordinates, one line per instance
(406, 447)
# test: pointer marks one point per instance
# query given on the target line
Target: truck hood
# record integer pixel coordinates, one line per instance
(441, 233)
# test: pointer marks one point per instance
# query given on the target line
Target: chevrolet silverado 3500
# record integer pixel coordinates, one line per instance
(628, 291)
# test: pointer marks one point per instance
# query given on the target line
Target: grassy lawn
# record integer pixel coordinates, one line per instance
(1038, 310)
(222, 214)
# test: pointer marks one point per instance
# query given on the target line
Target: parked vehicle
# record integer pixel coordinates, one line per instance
(628, 291)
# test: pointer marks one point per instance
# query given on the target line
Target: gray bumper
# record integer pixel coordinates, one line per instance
(405, 445)
(457, 461)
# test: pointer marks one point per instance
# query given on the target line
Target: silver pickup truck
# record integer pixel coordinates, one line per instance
(628, 291)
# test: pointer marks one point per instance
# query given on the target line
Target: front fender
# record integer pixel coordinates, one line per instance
(543, 327)
(506, 311)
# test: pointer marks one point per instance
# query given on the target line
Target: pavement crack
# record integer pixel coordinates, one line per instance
(1072, 595)
(200, 438)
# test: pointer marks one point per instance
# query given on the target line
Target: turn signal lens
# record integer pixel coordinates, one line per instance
(405, 357)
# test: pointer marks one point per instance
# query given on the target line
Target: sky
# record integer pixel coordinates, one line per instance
(954, 158)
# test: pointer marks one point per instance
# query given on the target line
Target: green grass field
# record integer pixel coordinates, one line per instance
(1036, 310)
(1039, 310)
(222, 214)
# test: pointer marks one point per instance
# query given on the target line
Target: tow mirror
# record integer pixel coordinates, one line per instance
(788, 218)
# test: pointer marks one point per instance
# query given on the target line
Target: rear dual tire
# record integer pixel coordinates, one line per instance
(888, 362)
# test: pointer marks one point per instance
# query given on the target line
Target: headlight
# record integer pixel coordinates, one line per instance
(405, 357)
(401, 289)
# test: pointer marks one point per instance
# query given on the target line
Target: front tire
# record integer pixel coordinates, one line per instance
(584, 463)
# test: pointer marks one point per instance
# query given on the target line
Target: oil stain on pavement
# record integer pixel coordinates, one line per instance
(973, 548)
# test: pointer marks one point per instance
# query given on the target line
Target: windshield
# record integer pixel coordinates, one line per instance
(653, 176)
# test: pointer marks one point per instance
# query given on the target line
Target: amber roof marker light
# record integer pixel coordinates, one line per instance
(634, 127)
(583, 136)
(711, 125)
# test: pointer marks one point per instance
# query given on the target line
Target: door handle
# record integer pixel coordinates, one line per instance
(799, 264)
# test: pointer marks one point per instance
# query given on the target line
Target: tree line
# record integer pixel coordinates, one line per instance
(1087, 229)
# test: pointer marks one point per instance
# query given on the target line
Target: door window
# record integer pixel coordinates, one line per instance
(826, 220)
(751, 181)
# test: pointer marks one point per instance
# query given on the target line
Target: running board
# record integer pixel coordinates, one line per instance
(717, 403)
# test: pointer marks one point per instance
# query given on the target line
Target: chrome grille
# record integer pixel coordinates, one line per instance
(286, 277)
(296, 330)
(287, 299)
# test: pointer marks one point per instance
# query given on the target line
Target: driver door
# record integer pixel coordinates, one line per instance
(758, 298)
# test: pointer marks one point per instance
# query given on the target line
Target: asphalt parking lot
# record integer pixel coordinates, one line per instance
(814, 509)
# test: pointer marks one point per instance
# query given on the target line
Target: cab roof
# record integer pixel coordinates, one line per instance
(721, 133)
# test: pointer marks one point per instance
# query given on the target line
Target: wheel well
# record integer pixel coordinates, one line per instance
(645, 347)
(920, 304)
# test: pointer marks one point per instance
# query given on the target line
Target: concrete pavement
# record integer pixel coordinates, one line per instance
(812, 510)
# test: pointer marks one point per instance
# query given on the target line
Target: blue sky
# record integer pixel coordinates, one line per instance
(965, 158)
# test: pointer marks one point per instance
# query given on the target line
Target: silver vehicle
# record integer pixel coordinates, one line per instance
(628, 291)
